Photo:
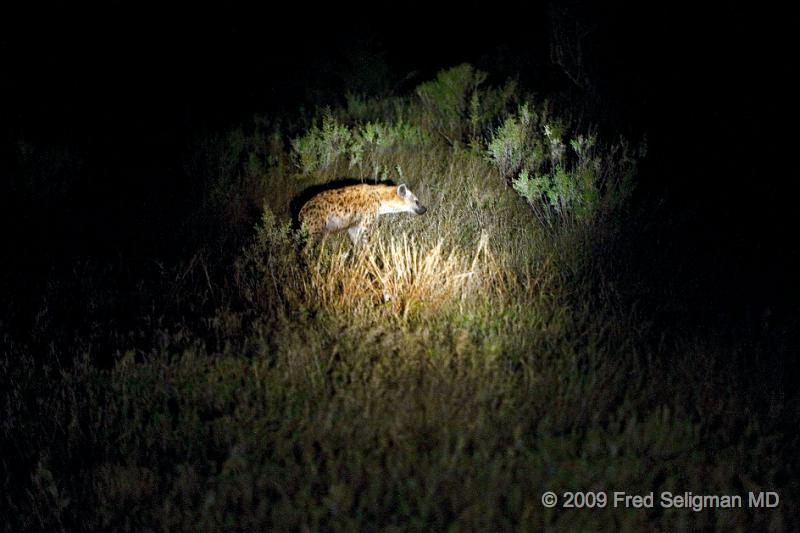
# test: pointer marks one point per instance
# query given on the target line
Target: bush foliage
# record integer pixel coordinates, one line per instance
(442, 376)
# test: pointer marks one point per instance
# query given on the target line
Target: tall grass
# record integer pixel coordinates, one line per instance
(400, 277)
(441, 376)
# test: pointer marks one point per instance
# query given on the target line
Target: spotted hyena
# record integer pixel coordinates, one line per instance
(355, 208)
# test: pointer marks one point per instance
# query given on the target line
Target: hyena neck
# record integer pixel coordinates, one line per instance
(392, 207)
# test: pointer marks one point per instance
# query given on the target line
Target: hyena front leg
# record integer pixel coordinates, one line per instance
(356, 234)
(360, 232)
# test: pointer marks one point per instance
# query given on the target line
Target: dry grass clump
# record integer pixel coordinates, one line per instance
(401, 276)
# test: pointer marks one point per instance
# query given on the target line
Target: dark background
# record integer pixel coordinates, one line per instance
(124, 87)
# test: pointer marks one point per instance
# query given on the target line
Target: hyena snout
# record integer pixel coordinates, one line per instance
(417, 207)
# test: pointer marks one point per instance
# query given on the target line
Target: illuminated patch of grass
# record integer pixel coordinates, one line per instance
(400, 277)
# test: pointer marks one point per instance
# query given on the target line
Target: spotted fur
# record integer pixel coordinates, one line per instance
(355, 209)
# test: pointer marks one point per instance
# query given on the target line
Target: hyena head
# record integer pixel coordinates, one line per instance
(403, 201)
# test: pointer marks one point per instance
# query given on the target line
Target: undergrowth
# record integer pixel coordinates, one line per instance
(441, 376)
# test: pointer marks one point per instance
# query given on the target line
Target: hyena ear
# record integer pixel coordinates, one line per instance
(402, 190)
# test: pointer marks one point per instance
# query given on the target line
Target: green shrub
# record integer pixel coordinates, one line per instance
(593, 181)
(618, 171)
(445, 100)
(361, 109)
(321, 147)
(517, 143)
(385, 135)
(513, 144)
(267, 272)
(375, 138)
(487, 106)
(529, 148)
(560, 190)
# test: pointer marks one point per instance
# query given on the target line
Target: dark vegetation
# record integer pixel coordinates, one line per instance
(601, 297)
